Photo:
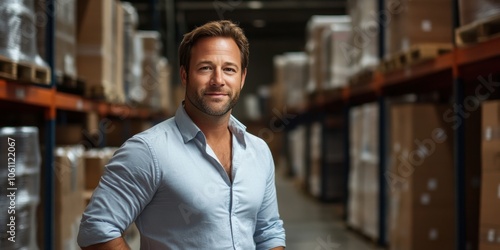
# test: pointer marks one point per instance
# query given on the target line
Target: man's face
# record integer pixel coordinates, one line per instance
(215, 76)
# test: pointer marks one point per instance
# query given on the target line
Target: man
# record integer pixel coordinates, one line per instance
(197, 180)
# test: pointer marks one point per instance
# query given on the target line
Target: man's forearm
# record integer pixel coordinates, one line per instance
(278, 248)
(116, 244)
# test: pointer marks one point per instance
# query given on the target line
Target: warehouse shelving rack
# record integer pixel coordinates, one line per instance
(48, 99)
(448, 72)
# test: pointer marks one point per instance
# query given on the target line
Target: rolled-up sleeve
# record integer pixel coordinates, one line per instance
(128, 184)
(269, 232)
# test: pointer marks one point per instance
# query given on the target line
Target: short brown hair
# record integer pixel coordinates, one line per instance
(223, 28)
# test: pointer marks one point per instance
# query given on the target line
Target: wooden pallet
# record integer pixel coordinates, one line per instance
(8, 69)
(70, 84)
(22, 71)
(416, 54)
(363, 77)
(478, 31)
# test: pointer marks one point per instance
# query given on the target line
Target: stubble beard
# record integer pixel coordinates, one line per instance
(197, 99)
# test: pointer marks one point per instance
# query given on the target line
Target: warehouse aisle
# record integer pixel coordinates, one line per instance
(312, 225)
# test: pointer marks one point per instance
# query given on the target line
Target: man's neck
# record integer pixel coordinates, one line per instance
(214, 128)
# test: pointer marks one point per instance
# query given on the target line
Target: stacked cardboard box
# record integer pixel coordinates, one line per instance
(420, 178)
(69, 203)
(100, 48)
(95, 161)
(416, 22)
(489, 231)
(474, 10)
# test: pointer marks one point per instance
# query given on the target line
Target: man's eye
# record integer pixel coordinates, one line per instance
(205, 68)
(230, 70)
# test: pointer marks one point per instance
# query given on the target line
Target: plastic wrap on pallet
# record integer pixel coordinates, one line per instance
(146, 52)
(363, 171)
(18, 32)
(316, 49)
(363, 46)
(473, 10)
(66, 38)
(69, 185)
(336, 59)
(295, 78)
(130, 20)
(23, 174)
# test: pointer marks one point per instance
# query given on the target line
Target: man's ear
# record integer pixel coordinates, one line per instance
(243, 76)
(184, 76)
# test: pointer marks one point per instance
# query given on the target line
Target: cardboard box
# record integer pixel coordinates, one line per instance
(423, 229)
(490, 198)
(69, 203)
(95, 45)
(491, 136)
(489, 237)
(421, 178)
(69, 134)
(420, 21)
(116, 93)
(95, 161)
(165, 87)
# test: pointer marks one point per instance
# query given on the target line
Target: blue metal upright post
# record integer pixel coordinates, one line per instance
(382, 196)
(459, 162)
(50, 124)
(347, 159)
(459, 149)
(382, 227)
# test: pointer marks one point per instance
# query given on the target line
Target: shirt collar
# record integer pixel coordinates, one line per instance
(189, 130)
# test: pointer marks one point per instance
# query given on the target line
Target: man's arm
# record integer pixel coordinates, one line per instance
(278, 248)
(116, 244)
(269, 231)
(128, 184)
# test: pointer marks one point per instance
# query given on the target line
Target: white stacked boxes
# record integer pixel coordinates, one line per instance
(320, 51)
(362, 48)
(363, 173)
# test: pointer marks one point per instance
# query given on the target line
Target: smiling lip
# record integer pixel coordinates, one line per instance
(215, 94)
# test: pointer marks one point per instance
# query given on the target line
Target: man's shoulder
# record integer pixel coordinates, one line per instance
(255, 141)
(160, 130)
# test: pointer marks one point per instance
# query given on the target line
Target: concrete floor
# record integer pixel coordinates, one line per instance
(309, 224)
(312, 225)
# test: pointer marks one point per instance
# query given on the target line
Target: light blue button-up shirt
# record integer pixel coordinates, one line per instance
(170, 182)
